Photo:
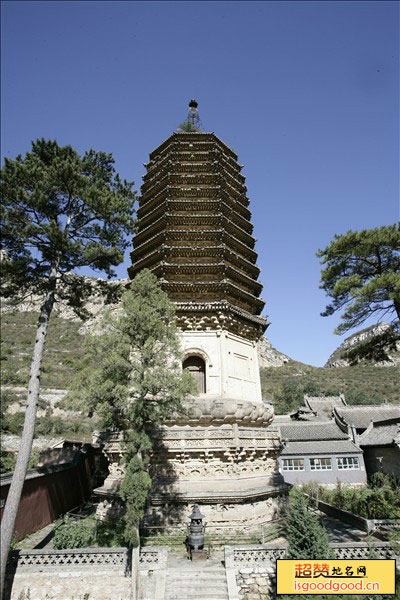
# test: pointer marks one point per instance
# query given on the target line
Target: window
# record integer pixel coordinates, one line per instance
(197, 368)
(348, 462)
(293, 464)
(320, 464)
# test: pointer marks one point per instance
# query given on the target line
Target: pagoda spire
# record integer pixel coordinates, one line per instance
(193, 122)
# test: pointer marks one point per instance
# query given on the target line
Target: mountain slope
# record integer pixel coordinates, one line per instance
(64, 350)
(375, 344)
(361, 384)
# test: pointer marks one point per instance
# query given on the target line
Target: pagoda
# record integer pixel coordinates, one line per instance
(195, 234)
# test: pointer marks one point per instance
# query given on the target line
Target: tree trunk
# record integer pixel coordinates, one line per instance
(397, 308)
(17, 483)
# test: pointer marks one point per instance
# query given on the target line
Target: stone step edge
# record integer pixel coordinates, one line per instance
(196, 577)
(188, 584)
(197, 597)
(219, 587)
(195, 571)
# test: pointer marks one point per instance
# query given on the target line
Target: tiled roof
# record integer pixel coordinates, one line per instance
(361, 416)
(324, 406)
(322, 447)
(278, 420)
(381, 434)
(315, 430)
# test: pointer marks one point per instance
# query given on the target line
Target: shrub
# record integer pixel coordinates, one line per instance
(34, 458)
(379, 500)
(72, 533)
(44, 425)
(7, 461)
(14, 423)
(359, 396)
(109, 536)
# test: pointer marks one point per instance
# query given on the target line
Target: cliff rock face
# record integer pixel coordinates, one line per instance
(95, 305)
(372, 338)
(268, 356)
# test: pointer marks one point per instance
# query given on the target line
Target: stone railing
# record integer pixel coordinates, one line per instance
(352, 519)
(81, 559)
(77, 559)
(253, 555)
(251, 569)
(362, 550)
(383, 524)
(153, 558)
(266, 554)
(342, 515)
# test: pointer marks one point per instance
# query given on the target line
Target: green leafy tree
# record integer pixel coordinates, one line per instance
(290, 394)
(306, 537)
(60, 212)
(288, 397)
(361, 275)
(7, 461)
(356, 395)
(132, 378)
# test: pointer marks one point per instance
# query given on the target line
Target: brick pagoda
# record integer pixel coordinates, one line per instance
(195, 234)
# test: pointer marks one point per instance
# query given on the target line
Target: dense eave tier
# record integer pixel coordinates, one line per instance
(183, 254)
(194, 229)
(204, 174)
(192, 222)
(164, 203)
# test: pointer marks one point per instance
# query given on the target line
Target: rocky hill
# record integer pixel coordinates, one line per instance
(268, 356)
(95, 304)
(373, 345)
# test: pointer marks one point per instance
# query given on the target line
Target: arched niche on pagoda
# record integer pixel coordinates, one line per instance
(195, 363)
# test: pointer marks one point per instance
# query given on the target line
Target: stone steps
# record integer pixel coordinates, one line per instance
(196, 584)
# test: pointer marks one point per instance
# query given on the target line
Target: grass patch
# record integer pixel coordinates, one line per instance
(63, 348)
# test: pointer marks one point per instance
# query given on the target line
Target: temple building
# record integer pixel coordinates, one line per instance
(195, 234)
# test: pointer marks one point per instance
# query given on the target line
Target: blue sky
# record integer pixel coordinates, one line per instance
(305, 92)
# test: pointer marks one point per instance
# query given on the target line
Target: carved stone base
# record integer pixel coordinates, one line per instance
(198, 555)
(244, 516)
(110, 510)
(220, 456)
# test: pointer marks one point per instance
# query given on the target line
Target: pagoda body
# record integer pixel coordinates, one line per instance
(195, 235)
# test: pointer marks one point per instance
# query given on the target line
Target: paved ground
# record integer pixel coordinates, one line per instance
(339, 532)
(38, 540)
(180, 561)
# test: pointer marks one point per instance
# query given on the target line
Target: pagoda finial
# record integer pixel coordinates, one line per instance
(192, 123)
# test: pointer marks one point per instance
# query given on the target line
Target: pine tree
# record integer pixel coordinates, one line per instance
(307, 538)
(132, 378)
(362, 275)
(59, 212)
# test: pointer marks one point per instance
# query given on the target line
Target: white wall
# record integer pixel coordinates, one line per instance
(232, 369)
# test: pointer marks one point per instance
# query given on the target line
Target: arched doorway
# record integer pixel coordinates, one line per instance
(197, 368)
